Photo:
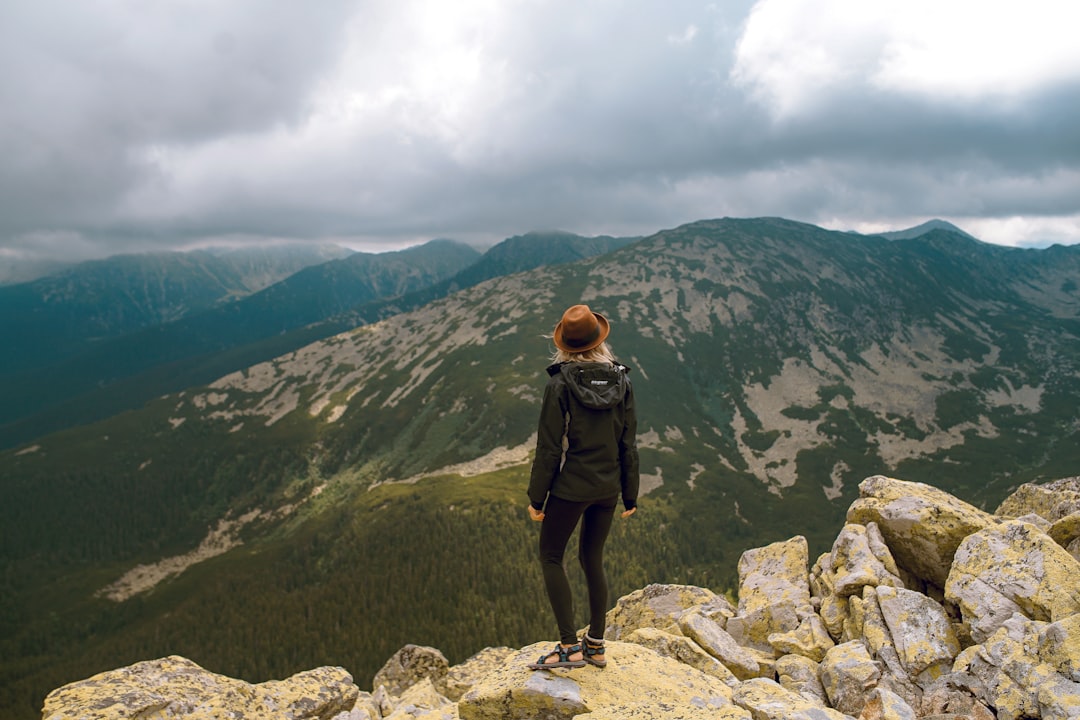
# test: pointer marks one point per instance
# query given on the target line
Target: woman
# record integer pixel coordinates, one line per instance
(588, 409)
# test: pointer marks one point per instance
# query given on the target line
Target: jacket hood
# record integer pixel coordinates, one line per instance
(595, 385)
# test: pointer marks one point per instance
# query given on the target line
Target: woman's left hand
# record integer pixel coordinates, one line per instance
(628, 513)
(535, 514)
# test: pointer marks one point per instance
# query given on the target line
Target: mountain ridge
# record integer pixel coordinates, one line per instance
(923, 228)
(61, 313)
(198, 349)
(321, 288)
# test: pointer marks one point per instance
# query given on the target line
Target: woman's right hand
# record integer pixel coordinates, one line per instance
(628, 513)
(535, 514)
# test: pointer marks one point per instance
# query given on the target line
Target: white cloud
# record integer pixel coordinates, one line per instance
(798, 56)
(1021, 231)
(687, 36)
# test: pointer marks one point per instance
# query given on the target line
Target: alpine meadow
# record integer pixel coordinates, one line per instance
(366, 489)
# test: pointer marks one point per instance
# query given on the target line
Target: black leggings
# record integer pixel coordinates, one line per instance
(560, 519)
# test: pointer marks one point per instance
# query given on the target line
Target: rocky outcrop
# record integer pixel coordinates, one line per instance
(1009, 569)
(924, 607)
(637, 683)
(922, 525)
(174, 687)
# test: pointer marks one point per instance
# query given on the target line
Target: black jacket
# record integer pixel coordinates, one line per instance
(592, 405)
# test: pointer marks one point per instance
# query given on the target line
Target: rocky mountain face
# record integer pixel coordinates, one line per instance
(924, 607)
(768, 341)
(775, 366)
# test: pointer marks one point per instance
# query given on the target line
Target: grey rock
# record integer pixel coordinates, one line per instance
(717, 642)
(410, 665)
(848, 674)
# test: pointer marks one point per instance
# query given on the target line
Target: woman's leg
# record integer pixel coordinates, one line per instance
(594, 533)
(560, 519)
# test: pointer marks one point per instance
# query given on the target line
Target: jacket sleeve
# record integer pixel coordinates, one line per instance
(549, 435)
(629, 477)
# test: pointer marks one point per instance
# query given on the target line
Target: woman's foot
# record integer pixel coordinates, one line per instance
(565, 656)
(594, 651)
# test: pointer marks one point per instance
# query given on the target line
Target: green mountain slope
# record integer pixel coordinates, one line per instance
(315, 303)
(82, 388)
(376, 478)
(56, 317)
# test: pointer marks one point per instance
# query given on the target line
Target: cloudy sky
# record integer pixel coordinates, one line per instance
(380, 123)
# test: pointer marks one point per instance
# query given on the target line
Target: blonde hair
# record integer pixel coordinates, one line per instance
(600, 353)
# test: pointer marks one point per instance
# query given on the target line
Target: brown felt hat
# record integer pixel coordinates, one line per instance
(580, 330)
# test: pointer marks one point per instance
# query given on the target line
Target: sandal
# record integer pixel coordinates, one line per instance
(564, 660)
(594, 647)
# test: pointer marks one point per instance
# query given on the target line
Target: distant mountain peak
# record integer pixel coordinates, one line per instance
(928, 226)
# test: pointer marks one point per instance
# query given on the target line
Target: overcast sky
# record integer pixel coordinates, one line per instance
(381, 123)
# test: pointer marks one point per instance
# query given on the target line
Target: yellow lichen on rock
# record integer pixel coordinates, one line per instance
(922, 525)
(174, 686)
(1012, 568)
(660, 606)
(635, 678)
(774, 593)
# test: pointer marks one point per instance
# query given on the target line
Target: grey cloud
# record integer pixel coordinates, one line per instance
(87, 88)
(614, 119)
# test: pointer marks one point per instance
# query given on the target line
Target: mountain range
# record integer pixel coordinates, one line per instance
(371, 484)
(47, 391)
(57, 316)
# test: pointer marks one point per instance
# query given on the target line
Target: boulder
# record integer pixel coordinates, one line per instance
(660, 606)
(860, 557)
(875, 633)
(882, 704)
(714, 640)
(835, 612)
(463, 676)
(175, 687)
(922, 525)
(768, 700)
(919, 629)
(684, 650)
(366, 708)
(1014, 681)
(382, 701)
(359, 712)
(1012, 568)
(848, 674)
(799, 674)
(774, 593)
(422, 700)
(637, 683)
(1052, 501)
(410, 665)
(1059, 646)
(1066, 531)
(811, 639)
(955, 694)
